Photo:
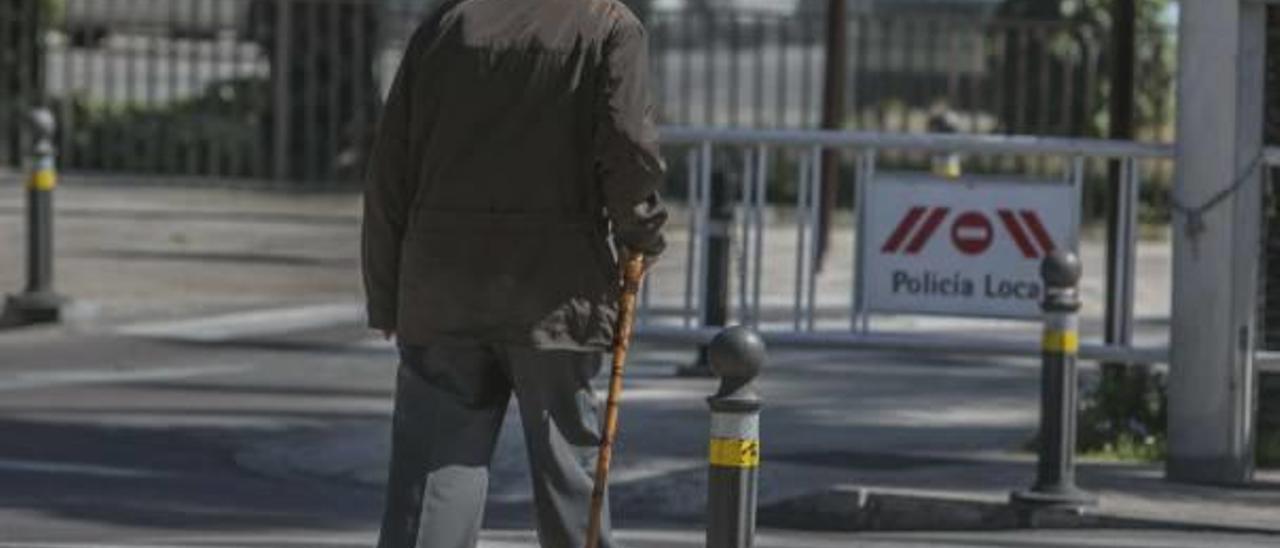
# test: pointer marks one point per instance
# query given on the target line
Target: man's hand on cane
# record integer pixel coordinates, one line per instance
(649, 260)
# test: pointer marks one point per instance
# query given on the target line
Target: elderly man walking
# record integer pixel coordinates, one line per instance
(515, 162)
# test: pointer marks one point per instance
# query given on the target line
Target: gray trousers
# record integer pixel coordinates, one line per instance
(450, 402)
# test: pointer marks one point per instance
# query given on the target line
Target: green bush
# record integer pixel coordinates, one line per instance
(1124, 416)
(219, 131)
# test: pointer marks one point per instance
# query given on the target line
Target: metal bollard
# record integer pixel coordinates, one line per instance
(39, 303)
(737, 354)
(946, 165)
(1055, 485)
(715, 285)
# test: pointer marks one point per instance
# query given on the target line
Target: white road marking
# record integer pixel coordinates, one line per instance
(66, 468)
(49, 379)
(192, 419)
(379, 344)
(82, 545)
(225, 327)
(622, 475)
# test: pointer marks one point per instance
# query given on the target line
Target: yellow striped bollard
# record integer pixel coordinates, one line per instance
(737, 354)
(38, 303)
(1055, 485)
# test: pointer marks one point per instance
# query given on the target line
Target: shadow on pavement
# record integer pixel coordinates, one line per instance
(162, 477)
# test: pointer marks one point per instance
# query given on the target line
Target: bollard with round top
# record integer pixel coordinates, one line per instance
(946, 165)
(1055, 485)
(737, 355)
(38, 303)
(1061, 272)
(44, 125)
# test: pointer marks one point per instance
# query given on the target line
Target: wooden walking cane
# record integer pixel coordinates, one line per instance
(632, 274)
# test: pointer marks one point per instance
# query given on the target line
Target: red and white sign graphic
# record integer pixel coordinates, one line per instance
(935, 246)
(971, 231)
(1043, 245)
(908, 228)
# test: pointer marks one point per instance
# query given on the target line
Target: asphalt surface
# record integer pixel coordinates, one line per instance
(147, 419)
(121, 441)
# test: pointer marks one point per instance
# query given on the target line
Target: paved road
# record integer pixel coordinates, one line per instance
(217, 327)
(692, 539)
(114, 440)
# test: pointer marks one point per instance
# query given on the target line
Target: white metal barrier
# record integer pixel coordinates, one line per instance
(756, 149)
(1269, 361)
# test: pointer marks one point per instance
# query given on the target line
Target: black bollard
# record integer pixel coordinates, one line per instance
(715, 285)
(39, 303)
(1055, 485)
(737, 354)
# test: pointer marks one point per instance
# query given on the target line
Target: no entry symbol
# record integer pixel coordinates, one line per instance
(972, 233)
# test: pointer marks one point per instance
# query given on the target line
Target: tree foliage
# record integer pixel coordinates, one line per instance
(1090, 23)
(1128, 406)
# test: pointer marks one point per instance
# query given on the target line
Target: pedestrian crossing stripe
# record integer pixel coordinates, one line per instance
(43, 179)
(735, 453)
(1061, 342)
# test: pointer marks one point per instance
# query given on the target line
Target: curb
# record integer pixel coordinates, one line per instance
(854, 509)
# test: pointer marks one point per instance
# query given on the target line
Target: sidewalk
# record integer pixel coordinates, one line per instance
(148, 252)
(127, 253)
(851, 442)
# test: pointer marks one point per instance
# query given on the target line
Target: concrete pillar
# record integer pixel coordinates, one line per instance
(1216, 253)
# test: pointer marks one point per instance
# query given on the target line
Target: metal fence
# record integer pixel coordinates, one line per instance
(289, 89)
(1269, 360)
(18, 75)
(794, 305)
(992, 75)
(256, 89)
(1271, 135)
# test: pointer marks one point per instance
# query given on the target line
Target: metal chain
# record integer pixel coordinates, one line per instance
(1195, 215)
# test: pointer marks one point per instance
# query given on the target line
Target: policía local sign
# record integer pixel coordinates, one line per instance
(963, 248)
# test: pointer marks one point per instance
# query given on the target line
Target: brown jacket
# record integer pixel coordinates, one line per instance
(516, 143)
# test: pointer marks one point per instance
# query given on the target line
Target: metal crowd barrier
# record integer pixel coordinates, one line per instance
(754, 150)
(1268, 361)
